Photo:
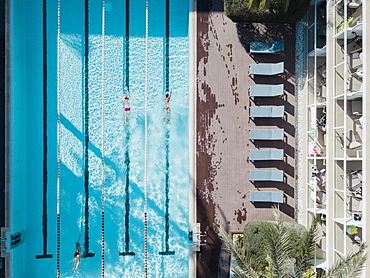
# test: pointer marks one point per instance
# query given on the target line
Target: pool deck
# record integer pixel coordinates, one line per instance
(223, 124)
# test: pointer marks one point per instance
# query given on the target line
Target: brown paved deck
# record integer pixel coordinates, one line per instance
(223, 146)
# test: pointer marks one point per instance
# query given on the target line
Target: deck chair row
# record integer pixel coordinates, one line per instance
(267, 112)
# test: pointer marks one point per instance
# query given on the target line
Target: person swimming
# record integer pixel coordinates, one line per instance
(126, 103)
(77, 257)
(167, 99)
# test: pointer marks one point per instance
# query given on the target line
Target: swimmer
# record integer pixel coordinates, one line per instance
(125, 100)
(167, 99)
(77, 257)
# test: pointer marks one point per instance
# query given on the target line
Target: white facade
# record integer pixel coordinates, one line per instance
(336, 126)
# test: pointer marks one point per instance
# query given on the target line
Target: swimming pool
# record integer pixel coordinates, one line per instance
(79, 170)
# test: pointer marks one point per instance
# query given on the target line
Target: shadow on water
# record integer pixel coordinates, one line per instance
(78, 134)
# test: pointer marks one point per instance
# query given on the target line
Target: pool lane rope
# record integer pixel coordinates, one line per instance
(103, 139)
(146, 136)
(58, 145)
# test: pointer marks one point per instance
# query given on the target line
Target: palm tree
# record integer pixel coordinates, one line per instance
(278, 244)
(265, 4)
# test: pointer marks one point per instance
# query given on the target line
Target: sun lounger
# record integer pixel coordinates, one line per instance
(267, 91)
(266, 196)
(266, 134)
(271, 154)
(267, 69)
(267, 47)
(266, 175)
(267, 112)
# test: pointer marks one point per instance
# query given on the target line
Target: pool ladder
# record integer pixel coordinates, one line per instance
(3, 244)
(196, 237)
(3, 241)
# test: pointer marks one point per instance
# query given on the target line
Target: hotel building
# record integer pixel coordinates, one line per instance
(336, 127)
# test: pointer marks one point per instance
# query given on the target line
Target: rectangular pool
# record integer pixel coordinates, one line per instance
(82, 169)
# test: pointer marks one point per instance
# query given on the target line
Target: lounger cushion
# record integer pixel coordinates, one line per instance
(267, 90)
(267, 196)
(271, 154)
(266, 134)
(266, 175)
(267, 69)
(267, 111)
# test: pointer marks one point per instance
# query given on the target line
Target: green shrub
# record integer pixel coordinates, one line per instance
(237, 10)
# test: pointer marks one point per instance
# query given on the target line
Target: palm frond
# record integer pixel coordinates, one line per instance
(350, 267)
(293, 271)
(238, 273)
(252, 4)
(284, 4)
(306, 247)
(277, 244)
(259, 4)
(264, 4)
(310, 273)
(240, 256)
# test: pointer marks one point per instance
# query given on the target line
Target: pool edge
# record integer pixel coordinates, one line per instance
(5, 230)
(192, 127)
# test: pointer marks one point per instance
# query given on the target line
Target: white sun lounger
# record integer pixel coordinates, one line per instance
(267, 90)
(267, 112)
(266, 134)
(266, 69)
(266, 196)
(267, 47)
(266, 175)
(271, 154)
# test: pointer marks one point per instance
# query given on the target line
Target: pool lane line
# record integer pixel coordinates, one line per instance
(103, 143)
(45, 254)
(86, 176)
(146, 137)
(127, 251)
(58, 145)
(167, 202)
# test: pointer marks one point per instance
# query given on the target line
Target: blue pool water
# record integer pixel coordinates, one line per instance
(81, 140)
